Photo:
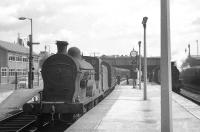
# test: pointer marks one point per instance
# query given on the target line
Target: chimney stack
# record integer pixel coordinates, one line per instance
(62, 47)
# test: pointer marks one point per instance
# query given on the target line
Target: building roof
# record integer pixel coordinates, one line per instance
(197, 57)
(14, 47)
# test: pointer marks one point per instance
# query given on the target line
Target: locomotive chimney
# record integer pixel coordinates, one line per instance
(62, 47)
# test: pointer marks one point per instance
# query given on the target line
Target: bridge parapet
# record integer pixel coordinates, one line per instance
(126, 60)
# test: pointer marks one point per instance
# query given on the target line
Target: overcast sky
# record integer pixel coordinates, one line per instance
(102, 26)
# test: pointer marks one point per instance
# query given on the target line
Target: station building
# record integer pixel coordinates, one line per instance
(14, 58)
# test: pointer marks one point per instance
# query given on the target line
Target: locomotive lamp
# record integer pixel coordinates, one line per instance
(30, 44)
(144, 21)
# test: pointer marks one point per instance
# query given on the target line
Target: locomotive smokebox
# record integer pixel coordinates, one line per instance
(62, 47)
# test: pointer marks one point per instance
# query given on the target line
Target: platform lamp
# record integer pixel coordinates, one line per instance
(30, 44)
(139, 44)
(144, 21)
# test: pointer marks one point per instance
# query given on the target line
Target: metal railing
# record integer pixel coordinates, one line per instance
(19, 80)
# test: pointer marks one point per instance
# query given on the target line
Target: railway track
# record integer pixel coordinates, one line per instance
(19, 122)
(191, 95)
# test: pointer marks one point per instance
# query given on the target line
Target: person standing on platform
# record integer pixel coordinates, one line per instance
(118, 79)
(176, 84)
(127, 82)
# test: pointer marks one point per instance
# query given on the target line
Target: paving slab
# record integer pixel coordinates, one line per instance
(125, 111)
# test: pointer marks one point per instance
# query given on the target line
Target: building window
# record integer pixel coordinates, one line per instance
(11, 58)
(25, 72)
(3, 71)
(19, 71)
(11, 72)
(25, 59)
(36, 59)
(18, 58)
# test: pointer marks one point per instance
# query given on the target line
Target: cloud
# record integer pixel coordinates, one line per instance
(196, 21)
(7, 18)
(104, 26)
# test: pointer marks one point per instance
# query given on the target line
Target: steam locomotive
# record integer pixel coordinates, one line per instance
(73, 84)
(176, 82)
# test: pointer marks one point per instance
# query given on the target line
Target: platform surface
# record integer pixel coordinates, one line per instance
(125, 111)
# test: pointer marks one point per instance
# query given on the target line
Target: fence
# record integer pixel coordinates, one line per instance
(20, 80)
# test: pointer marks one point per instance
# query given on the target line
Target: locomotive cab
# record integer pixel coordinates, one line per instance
(85, 80)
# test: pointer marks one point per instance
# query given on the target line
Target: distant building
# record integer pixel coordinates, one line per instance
(15, 58)
(43, 55)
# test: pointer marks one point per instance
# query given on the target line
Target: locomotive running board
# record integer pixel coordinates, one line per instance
(47, 107)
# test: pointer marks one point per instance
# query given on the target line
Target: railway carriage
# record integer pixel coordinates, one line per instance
(190, 79)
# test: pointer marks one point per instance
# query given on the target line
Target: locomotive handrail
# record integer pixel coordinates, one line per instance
(60, 64)
(90, 73)
(85, 69)
(50, 102)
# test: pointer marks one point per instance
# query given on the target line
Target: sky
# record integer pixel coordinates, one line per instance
(106, 27)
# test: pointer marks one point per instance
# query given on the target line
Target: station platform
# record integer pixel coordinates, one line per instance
(124, 110)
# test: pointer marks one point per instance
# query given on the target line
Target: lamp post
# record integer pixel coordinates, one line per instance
(144, 21)
(30, 44)
(133, 54)
(139, 44)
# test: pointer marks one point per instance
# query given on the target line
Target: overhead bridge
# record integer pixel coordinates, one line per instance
(130, 62)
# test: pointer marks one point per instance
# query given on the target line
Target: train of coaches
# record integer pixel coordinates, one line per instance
(188, 79)
(73, 84)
